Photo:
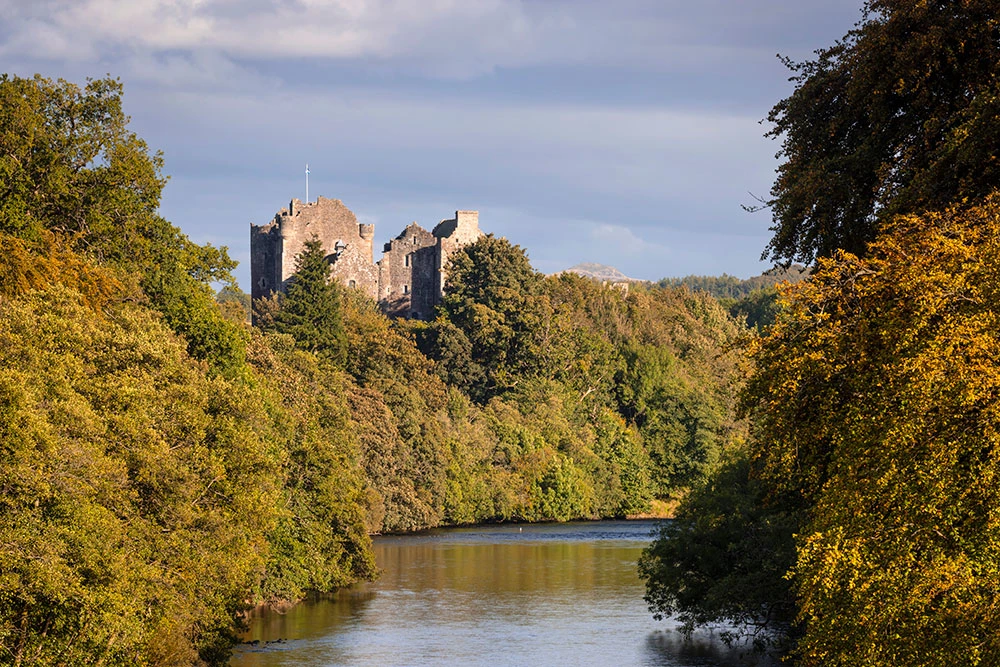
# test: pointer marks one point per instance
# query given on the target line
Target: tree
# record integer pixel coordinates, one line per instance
(492, 296)
(319, 541)
(147, 498)
(875, 399)
(68, 163)
(69, 167)
(680, 424)
(452, 350)
(311, 310)
(759, 308)
(135, 490)
(902, 115)
(723, 559)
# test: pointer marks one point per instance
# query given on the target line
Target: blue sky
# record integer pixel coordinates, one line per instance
(626, 132)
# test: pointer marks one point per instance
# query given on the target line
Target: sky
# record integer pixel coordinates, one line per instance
(624, 132)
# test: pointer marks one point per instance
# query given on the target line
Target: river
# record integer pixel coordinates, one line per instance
(545, 594)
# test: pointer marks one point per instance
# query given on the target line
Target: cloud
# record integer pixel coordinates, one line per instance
(437, 38)
(198, 71)
(547, 153)
(375, 29)
(620, 239)
(619, 131)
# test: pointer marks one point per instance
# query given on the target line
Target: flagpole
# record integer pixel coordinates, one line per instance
(307, 182)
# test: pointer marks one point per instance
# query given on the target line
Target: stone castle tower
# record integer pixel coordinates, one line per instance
(407, 281)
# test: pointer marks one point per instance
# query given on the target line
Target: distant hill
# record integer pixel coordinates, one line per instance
(600, 272)
(731, 287)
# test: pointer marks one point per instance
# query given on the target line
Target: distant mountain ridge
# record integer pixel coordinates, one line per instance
(601, 272)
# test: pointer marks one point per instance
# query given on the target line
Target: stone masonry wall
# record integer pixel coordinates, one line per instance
(347, 244)
(407, 281)
(407, 274)
(452, 235)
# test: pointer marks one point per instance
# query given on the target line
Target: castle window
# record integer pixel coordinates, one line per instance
(414, 240)
(408, 259)
(406, 289)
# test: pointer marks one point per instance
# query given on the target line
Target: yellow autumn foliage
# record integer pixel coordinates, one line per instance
(877, 411)
(47, 261)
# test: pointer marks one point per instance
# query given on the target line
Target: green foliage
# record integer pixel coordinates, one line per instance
(758, 309)
(656, 356)
(32, 265)
(723, 559)
(553, 444)
(235, 304)
(399, 411)
(320, 541)
(492, 296)
(152, 484)
(144, 502)
(900, 116)
(657, 400)
(162, 466)
(623, 485)
(875, 402)
(135, 494)
(70, 167)
(451, 348)
(311, 309)
(873, 393)
(189, 308)
(562, 493)
(731, 287)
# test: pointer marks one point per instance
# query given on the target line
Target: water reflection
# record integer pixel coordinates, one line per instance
(670, 649)
(504, 595)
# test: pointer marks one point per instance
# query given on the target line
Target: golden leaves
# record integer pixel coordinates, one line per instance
(878, 400)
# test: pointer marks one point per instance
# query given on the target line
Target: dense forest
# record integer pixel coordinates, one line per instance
(164, 466)
(859, 523)
(752, 300)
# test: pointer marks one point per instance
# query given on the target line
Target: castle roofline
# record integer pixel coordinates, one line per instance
(410, 228)
(465, 219)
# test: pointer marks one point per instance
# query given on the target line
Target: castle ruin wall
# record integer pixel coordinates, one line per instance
(406, 282)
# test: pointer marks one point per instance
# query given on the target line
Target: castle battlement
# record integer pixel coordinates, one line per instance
(407, 281)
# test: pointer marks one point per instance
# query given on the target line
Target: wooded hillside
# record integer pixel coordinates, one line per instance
(164, 466)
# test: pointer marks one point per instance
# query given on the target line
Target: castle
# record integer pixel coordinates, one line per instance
(407, 282)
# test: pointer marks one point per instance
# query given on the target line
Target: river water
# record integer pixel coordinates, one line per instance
(547, 594)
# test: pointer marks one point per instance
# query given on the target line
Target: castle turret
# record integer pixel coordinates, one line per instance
(367, 234)
(452, 234)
